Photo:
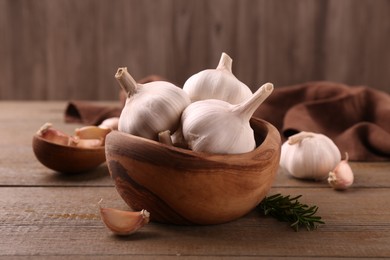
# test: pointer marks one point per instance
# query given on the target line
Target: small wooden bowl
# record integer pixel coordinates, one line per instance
(183, 187)
(67, 159)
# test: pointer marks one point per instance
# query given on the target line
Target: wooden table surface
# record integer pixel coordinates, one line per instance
(52, 215)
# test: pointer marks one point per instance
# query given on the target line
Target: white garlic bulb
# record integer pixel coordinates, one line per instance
(219, 83)
(342, 176)
(150, 108)
(309, 155)
(216, 126)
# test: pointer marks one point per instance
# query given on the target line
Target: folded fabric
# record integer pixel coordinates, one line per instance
(356, 118)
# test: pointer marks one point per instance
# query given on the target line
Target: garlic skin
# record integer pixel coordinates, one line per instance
(342, 176)
(308, 155)
(219, 83)
(122, 222)
(150, 108)
(164, 137)
(216, 126)
(51, 134)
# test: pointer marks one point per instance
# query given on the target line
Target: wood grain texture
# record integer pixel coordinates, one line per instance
(55, 49)
(48, 221)
(183, 187)
(53, 216)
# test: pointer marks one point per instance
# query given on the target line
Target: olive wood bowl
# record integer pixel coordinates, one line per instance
(183, 187)
(67, 159)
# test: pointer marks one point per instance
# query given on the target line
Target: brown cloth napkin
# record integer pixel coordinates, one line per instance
(356, 118)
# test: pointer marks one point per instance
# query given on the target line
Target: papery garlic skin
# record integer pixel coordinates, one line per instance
(150, 108)
(219, 83)
(122, 222)
(309, 155)
(342, 176)
(216, 126)
(49, 133)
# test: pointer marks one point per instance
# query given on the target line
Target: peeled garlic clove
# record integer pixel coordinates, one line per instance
(122, 222)
(342, 176)
(219, 83)
(111, 123)
(309, 155)
(92, 132)
(53, 135)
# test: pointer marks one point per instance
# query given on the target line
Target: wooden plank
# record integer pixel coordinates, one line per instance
(20, 167)
(49, 221)
(71, 49)
(45, 213)
(23, 50)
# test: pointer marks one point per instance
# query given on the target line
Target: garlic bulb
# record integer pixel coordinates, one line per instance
(150, 108)
(309, 155)
(219, 83)
(122, 222)
(342, 176)
(216, 126)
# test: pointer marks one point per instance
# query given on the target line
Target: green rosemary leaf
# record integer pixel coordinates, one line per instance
(290, 210)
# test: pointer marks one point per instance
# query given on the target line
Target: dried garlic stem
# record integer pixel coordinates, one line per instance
(126, 81)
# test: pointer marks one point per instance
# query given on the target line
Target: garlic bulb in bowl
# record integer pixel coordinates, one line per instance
(309, 155)
(216, 126)
(151, 107)
(219, 83)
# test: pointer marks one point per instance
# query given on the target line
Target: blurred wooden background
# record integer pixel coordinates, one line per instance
(70, 49)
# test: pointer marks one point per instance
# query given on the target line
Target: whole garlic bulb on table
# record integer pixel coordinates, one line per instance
(219, 83)
(309, 155)
(216, 126)
(150, 108)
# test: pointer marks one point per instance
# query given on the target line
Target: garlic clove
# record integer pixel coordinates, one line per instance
(164, 137)
(342, 176)
(86, 143)
(92, 132)
(51, 134)
(122, 222)
(111, 123)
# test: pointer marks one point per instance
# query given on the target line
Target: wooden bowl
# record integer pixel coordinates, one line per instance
(67, 159)
(183, 187)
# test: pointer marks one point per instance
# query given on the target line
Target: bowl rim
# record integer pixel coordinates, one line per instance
(37, 137)
(208, 156)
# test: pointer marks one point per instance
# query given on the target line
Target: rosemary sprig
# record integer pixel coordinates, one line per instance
(290, 210)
